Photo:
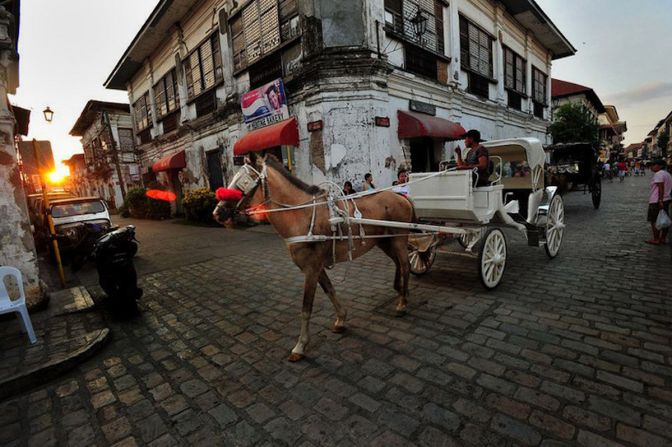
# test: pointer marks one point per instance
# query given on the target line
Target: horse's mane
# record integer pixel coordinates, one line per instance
(273, 162)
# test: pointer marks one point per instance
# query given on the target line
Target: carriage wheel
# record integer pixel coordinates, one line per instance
(492, 258)
(596, 191)
(420, 261)
(555, 227)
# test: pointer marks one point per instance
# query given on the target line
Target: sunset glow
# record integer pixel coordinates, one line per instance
(59, 175)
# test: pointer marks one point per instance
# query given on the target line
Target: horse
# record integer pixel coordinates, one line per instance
(295, 209)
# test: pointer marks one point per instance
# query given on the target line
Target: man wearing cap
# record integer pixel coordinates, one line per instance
(659, 199)
(477, 157)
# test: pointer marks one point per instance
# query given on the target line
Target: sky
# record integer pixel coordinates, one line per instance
(69, 47)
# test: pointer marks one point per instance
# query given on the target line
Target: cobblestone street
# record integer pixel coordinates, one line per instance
(573, 351)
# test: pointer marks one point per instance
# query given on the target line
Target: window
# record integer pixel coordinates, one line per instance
(475, 48)
(398, 16)
(166, 95)
(514, 78)
(420, 61)
(266, 70)
(260, 28)
(476, 55)
(203, 67)
(125, 139)
(143, 112)
(538, 92)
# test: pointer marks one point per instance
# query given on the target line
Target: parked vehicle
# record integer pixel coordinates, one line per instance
(113, 254)
(69, 216)
(38, 215)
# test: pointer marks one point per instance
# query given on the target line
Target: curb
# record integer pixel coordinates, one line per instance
(23, 382)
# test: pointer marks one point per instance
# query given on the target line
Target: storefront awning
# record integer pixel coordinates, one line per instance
(412, 125)
(283, 133)
(175, 161)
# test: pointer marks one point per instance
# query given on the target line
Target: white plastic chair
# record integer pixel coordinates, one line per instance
(19, 305)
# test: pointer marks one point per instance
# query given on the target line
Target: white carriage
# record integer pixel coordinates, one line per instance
(449, 207)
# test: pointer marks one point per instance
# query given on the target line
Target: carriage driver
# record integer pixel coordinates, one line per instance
(476, 157)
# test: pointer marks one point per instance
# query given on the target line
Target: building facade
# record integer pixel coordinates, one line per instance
(371, 85)
(107, 137)
(16, 238)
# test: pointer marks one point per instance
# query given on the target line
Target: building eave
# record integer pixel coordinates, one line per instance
(532, 17)
(153, 33)
(88, 115)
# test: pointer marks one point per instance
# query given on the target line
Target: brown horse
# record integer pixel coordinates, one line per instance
(264, 182)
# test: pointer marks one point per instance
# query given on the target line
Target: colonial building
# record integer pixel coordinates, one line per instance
(106, 132)
(78, 181)
(367, 85)
(611, 128)
(16, 240)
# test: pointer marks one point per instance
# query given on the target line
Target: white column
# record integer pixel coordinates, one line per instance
(498, 58)
(528, 74)
(453, 44)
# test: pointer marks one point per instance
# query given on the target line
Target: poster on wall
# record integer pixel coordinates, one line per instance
(265, 105)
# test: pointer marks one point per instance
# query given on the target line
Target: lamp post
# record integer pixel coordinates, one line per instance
(48, 116)
(419, 22)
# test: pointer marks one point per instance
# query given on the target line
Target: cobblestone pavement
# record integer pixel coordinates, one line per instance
(571, 351)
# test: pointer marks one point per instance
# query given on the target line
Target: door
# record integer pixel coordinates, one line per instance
(214, 159)
(422, 155)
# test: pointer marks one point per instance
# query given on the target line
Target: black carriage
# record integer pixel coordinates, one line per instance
(574, 166)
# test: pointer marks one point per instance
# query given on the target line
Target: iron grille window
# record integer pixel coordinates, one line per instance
(145, 136)
(203, 67)
(475, 49)
(260, 28)
(166, 96)
(143, 112)
(478, 85)
(206, 103)
(125, 139)
(266, 70)
(170, 122)
(515, 100)
(539, 91)
(420, 62)
(398, 16)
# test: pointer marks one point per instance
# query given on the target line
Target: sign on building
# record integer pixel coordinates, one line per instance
(265, 105)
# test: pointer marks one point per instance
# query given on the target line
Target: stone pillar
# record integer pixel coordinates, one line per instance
(17, 247)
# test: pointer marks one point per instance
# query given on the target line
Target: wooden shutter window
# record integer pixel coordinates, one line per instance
(238, 43)
(438, 19)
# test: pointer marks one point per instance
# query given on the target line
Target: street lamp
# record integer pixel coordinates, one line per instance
(419, 22)
(48, 114)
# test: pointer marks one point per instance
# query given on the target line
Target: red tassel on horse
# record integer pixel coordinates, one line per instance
(228, 194)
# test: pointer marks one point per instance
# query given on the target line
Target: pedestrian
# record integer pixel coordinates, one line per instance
(622, 168)
(660, 196)
(400, 185)
(368, 182)
(477, 157)
(347, 188)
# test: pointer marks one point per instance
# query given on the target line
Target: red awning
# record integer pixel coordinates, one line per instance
(283, 133)
(175, 161)
(413, 125)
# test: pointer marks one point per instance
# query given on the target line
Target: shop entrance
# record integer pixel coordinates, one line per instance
(214, 159)
(423, 158)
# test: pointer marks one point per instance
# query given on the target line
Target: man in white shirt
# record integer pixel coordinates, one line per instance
(660, 196)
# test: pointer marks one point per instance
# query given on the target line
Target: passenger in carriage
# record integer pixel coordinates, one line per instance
(400, 186)
(476, 157)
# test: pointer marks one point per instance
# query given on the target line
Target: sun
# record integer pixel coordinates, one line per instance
(58, 176)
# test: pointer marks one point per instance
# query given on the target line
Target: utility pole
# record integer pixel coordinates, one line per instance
(50, 220)
(115, 155)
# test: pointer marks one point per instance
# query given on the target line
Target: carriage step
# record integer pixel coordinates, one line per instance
(533, 235)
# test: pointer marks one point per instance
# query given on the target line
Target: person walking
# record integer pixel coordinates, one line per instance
(660, 196)
(622, 168)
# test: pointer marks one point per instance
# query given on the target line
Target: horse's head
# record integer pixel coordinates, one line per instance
(244, 190)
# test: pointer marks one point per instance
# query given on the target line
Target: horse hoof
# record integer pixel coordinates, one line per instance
(294, 357)
(400, 312)
(338, 329)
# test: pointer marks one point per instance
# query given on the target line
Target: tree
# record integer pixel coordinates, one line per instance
(663, 140)
(574, 123)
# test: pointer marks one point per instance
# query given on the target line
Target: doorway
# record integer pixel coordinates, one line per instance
(214, 160)
(423, 158)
